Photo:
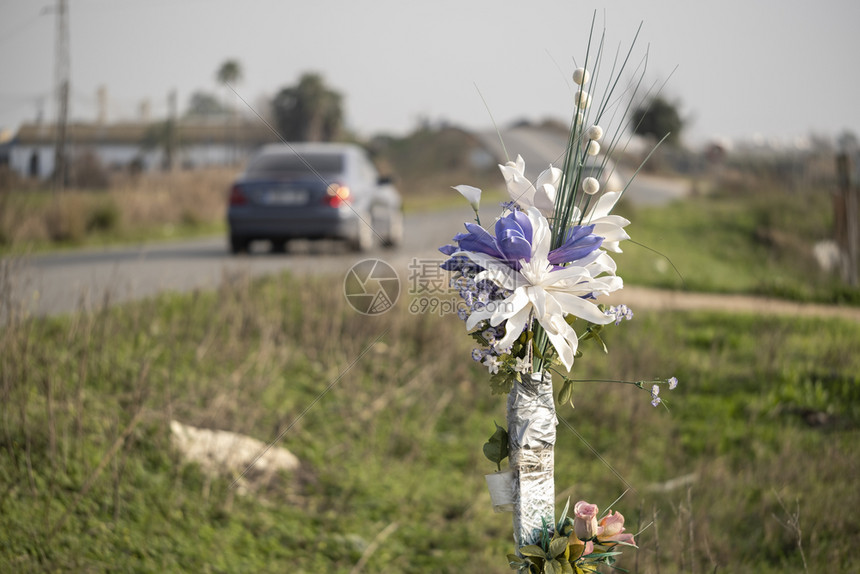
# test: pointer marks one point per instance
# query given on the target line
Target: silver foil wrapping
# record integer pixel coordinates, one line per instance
(531, 438)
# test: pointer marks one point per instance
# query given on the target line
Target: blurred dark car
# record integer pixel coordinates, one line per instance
(313, 191)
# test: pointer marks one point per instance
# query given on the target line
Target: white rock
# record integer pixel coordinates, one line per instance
(227, 453)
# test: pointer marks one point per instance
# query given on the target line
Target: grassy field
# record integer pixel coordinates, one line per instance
(758, 240)
(751, 470)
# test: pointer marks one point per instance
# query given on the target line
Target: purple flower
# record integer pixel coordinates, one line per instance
(620, 313)
(578, 242)
(511, 242)
(673, 382)
(655, 398)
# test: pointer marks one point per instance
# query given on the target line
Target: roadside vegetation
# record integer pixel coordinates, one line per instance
(751, 227)
(750, 470)
(130, 209)
(759, 240)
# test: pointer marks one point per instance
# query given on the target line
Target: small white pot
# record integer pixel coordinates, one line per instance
(501, 485)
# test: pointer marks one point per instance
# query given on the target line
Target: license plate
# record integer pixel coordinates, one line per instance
(286, 197)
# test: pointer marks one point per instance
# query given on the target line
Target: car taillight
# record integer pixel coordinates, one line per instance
(336, 195)
(237, 197)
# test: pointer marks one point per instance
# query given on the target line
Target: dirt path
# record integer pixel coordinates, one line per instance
(647, 298)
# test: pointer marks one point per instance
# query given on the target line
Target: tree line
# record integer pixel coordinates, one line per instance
(310, 110)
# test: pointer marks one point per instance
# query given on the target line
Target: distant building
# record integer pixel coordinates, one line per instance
(137, 146)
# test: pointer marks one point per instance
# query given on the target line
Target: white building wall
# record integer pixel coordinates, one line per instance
(20, 157)
(120, 156)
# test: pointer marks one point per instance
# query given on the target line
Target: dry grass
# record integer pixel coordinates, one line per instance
(132, 207)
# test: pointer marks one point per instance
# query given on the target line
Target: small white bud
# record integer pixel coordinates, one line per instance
(595, 132)
(581, 76)
(582, 99)
(593, 148)
(590, 185)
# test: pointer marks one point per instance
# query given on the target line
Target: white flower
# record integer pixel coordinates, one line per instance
(522, 366)
(595, 132)
(492, 363)
(609, 227)
(472, 195)
(541, 194)
(593, 148)
(582, 100)
(581, 76)
(590, 185)
(546, 294)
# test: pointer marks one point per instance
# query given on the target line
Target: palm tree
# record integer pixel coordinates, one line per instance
(228, 75)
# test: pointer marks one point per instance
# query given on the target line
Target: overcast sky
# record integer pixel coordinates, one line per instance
(780, 68)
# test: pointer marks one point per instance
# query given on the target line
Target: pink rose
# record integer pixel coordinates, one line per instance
(611, 529)
(585, 520)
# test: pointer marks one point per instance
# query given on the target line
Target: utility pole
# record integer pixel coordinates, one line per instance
(170, 143)
(847, 211)
(61, 80)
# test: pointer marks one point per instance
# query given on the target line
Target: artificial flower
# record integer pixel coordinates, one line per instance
(655, 396)
(582, 100)
(492, 363)
(522, 366)
(544, 291)
(609, 227)
(590, 185)
(581, 76)
(611, 529)
(525, 194)
(512, 242)
(594, 133)
(472, 195)
(585, 520)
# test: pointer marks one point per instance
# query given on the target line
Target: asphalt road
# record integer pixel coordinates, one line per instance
(63, 282)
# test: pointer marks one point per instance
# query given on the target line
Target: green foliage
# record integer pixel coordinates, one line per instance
(204, 105)
(766, 410)
(308, 111)
(758, 241)
(104, 216)
(229, 72)
(496, 448)
(657, 118)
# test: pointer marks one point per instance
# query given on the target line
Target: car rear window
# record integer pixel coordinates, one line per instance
(290, 164)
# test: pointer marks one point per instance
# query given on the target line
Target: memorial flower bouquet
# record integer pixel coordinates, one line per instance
(531, 284)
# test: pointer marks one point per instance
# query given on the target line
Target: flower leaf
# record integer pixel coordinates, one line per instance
(496, 449)
(558, 546)
(533, 551)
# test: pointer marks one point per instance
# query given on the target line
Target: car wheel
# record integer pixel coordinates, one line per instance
(363, 240)
(238, 245)
(394, 237)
